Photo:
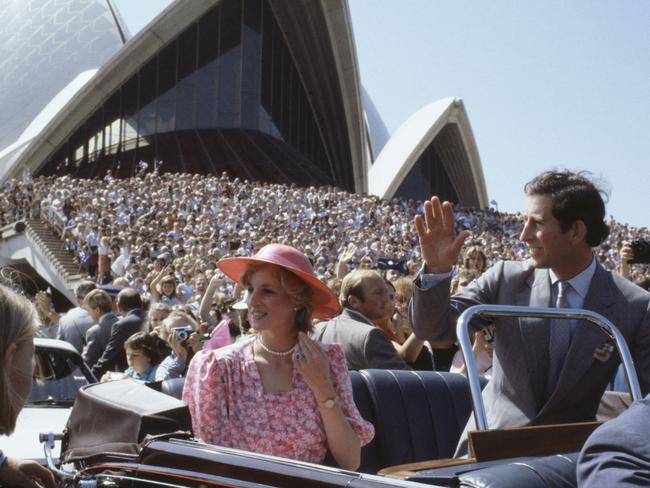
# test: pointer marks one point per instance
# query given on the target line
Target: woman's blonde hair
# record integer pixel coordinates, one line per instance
(404, 287)
(157, 307)
(17, 323)
(475, 251)
(299, 292)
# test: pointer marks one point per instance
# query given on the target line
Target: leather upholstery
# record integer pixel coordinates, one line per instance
(418, 415)
(557, 471)
(173, 387)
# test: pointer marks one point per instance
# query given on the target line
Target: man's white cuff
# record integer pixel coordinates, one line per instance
(429, 280)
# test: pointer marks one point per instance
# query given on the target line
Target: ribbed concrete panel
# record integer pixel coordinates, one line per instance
(449, 146)
(44, 45)
(377, 131)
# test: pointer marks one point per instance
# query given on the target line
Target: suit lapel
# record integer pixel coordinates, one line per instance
(587, 337)
(535, 331)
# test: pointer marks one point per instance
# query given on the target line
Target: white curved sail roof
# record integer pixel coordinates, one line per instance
(403, 149)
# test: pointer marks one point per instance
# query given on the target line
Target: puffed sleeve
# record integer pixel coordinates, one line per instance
(203, 391)
(341, 379)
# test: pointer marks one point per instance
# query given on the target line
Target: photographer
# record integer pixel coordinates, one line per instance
(636, 252)
(179, 329)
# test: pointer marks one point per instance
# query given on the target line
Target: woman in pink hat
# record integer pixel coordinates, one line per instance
(279, 392)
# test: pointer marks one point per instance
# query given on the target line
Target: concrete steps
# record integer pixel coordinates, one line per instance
(54, 249)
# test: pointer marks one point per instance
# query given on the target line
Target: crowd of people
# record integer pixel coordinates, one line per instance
(180, 271)
(116, 230)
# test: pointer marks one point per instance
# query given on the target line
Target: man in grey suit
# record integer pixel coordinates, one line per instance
(544, 371)
(364, 295)
(100, 306)
(76, 322)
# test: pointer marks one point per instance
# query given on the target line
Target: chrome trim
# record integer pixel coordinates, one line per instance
(48, 440)
(483, 311)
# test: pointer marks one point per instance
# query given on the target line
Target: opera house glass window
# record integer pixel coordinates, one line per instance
(224, 95)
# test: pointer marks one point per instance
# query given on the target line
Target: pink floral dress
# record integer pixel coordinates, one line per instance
(223, 390)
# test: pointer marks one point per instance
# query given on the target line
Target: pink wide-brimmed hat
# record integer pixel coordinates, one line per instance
(324, 303)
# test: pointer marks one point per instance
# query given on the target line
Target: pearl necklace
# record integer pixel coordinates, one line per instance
(276, 353)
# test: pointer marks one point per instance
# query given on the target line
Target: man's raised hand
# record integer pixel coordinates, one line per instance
(440, 247)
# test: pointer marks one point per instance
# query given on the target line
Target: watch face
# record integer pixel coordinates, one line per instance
(329, 403)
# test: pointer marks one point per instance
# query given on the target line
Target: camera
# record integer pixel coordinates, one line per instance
(183, 333)
(488, 335)
(641, 251)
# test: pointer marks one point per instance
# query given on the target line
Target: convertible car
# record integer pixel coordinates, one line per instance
(129, 434)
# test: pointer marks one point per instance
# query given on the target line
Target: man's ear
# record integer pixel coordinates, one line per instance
(578, 231)
(9, 356)
(353, 302)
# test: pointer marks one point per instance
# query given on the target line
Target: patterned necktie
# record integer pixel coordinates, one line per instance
(560, 339)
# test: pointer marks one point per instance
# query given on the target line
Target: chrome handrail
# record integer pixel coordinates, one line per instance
(462, 332)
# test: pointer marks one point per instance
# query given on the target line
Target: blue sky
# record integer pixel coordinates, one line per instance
(550, 84)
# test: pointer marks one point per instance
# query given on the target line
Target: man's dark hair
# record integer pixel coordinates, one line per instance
(128, 299)
(573, 197)
(83, 288)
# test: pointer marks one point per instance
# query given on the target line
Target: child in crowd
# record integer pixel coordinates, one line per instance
(142, 356)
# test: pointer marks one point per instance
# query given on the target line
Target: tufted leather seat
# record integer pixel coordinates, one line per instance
(173, 387)
(418, 415)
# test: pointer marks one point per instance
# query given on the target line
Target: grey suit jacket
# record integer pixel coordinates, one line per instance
(516, 394)
(97, 338)
(365, 345)
(73, 327)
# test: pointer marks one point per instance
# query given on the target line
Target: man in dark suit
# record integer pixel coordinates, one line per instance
(100, 306)
(363, 295)
(544, 371)
(129, 304)
(618, 452)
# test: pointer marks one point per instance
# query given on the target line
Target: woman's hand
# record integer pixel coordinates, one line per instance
(177, 345)
(16, 472)
(314, 365)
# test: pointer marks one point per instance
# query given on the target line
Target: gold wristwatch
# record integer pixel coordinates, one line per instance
(329, 403)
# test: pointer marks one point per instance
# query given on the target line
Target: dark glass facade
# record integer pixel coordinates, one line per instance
(428, 177)
(222, 96)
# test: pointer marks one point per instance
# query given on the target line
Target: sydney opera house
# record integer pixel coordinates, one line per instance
(263, 89)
